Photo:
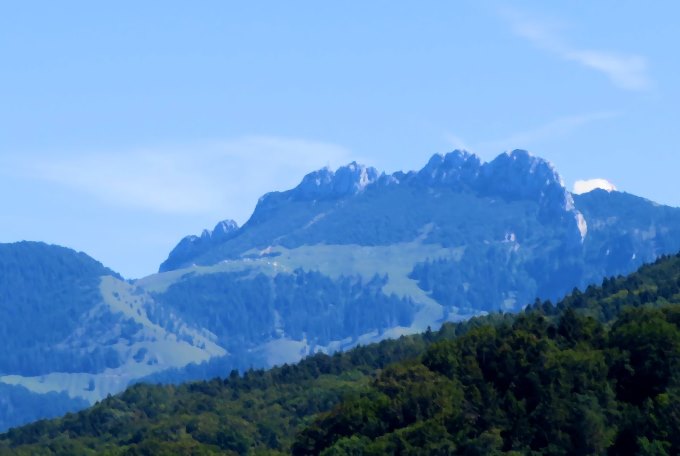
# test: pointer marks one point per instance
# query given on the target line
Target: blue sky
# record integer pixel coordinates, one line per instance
(127, 125)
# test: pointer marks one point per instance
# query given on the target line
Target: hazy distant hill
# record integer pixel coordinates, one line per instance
(70, 325)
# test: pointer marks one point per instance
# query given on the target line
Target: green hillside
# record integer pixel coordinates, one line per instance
(594, 374)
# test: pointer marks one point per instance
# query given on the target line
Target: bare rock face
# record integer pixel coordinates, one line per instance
(457, 169)
(327, 184)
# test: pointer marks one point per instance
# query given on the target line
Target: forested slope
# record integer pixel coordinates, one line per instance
(594, 374)
(42, 284)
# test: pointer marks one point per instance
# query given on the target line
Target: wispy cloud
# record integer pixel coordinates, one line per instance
(552, 130)
(224, 178)
(626, 71)
(456, 141)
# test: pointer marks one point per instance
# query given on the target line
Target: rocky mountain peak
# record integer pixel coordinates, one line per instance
(520, 175)
(192, 246)
(325, 183)
(452, 169)
(223, 228)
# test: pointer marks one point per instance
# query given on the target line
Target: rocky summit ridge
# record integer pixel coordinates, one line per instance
(192, 245)
(511, 176)
(345, 181)
(514, 175)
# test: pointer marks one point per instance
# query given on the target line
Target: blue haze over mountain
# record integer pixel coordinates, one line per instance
(347, 257)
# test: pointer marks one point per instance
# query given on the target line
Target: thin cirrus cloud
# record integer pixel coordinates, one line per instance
(626, 71)
(549, 131)
(552, 130)
(221, 178)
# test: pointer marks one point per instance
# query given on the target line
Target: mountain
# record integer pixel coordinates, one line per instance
(348, 257)
(458, 238)
(594, 374)
(355, 205)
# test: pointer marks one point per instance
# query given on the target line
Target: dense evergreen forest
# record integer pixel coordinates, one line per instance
(598, 373)
(242, 309)
(42, 284)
